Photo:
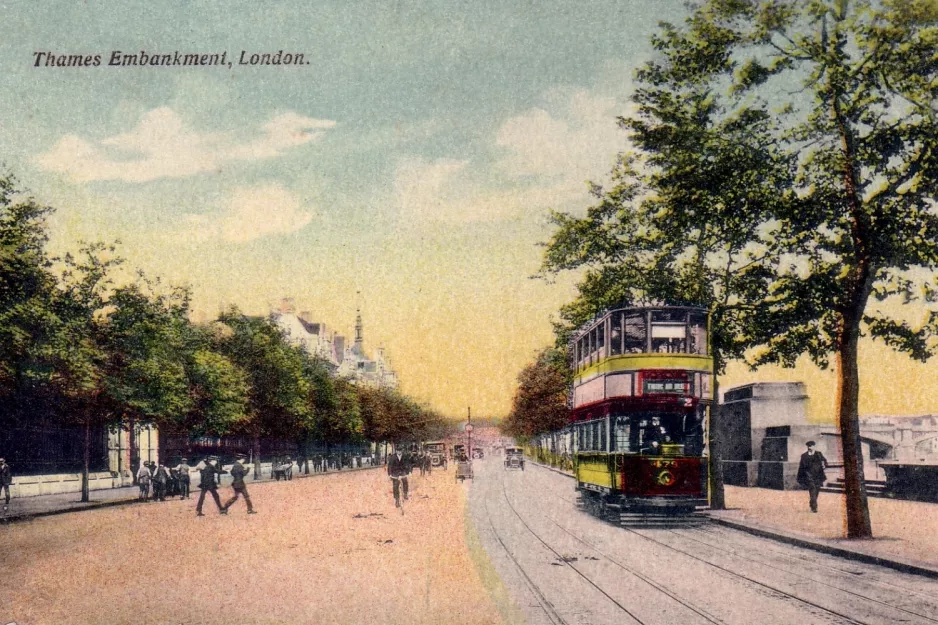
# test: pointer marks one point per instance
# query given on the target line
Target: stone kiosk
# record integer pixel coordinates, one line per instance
(764, 428)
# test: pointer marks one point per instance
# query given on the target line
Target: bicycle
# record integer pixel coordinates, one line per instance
(402, 494)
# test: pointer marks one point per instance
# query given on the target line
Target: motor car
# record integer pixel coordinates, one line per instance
(514, 458)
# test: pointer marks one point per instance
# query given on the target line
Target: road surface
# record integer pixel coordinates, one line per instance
(561, 565)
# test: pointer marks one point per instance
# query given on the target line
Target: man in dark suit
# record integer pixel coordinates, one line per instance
(209, 469)
(811, 473)
(399, 469)
(6, 478)
(238, 471)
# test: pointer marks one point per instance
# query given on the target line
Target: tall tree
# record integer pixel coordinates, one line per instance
(26, 289)
(540, 402)
(278, 396)
(79, 356)
(684, 221)
(856, 86)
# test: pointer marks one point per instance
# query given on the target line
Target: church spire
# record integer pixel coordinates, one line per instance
(359, 330)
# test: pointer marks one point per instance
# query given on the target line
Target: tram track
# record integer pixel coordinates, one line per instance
(759, 562)
(658, 587)
(882, 583)
(546, 606)
(560, 558)
(820, 563)
(770, 587)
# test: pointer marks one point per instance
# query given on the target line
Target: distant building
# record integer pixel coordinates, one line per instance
(347, 361)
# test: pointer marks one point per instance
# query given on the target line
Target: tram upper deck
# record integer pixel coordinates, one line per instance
(658, 354)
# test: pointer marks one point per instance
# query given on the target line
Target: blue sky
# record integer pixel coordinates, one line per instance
(414, 158)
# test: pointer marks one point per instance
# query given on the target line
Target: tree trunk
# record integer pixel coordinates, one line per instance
(86, 466)
(848, 391)
(257, 456)
(714, 442)
(132, 450)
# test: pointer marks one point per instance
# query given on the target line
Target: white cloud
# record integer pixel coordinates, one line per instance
(250, 213)
(162, 146)
(547, 153)
(442, 191)
(577, 141)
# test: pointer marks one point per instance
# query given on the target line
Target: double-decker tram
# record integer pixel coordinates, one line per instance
(641, 398)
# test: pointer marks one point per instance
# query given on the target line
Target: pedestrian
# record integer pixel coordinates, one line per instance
(811, 473)
(209, 469)
(6, 478)
(143, 481)
(238, 471)
(160, 480)
(398, 470)
(182, 474)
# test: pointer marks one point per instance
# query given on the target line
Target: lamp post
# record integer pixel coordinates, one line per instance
(469, 436)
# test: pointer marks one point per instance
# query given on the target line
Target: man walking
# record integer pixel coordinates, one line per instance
(182, 474)
(6, 478)
(238, 471)
(811, 473)
(208, 470)
(160, 480)
(143, 481)
(398, 469)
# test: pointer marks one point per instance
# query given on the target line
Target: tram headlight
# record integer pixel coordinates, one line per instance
(666, 478)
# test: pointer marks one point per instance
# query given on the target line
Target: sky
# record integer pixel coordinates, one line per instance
(407, 166)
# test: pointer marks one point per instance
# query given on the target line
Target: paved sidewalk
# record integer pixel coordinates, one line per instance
(904, 531)
(22, 508)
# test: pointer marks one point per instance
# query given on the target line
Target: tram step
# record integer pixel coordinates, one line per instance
(638, 519)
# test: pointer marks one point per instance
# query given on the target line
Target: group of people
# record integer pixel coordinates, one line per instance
(158, 482)
(321, 463)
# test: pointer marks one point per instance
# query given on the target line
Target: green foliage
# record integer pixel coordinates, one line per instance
(25, 290)
(540, 402)
(787, 170)
(278, 391)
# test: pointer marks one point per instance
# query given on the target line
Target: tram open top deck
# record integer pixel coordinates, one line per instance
(632, 358)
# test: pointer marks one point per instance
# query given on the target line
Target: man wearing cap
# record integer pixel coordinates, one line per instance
(811, 473)
(238, 471)
(209, 469)
(182, 474)
(6, 478)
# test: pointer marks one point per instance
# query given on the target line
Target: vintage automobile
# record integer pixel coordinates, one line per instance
(514, 458)
(459, 451)
(477, 452)
(437, 452)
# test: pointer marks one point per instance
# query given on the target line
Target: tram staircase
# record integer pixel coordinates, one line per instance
(874, 488)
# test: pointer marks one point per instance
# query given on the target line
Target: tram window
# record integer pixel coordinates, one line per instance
(621, 430)
(615, 333)
(600, 340)
(593, 355)
(635, 334)
(669, 331)
(697, 333)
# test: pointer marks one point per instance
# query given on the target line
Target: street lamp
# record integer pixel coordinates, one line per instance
(469, 436)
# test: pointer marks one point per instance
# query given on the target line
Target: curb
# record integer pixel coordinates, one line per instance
(27, 516)
(848, 554)
(797, 541)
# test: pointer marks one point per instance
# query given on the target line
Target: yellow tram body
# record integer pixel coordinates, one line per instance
(636, 437)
